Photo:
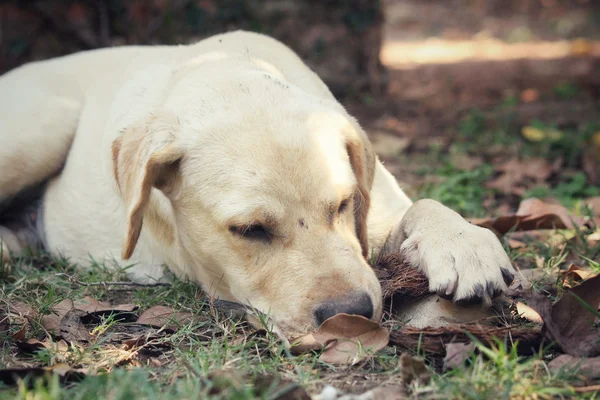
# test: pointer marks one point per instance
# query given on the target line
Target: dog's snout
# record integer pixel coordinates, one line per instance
(356, 303)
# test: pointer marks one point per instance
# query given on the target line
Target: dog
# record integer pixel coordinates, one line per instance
(230, 162)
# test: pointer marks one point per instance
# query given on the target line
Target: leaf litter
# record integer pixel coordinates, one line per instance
(347, 340)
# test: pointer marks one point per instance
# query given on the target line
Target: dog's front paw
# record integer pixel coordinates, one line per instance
(463, 262)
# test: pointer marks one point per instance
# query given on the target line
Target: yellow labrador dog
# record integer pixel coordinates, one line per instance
(230, 162)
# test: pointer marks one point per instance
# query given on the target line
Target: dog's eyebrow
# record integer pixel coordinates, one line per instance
(254, 217)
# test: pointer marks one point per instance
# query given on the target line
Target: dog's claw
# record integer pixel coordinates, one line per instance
(507, 276)
(446, 291)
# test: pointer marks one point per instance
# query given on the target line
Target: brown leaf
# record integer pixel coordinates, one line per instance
(72, 329)
(575, 274)
(345, 337)
(516, 175)
(159, 316)
(33, 345)
(535, 209)
(457, 354)
(22, 309)
(52, 321)
(588, 367)
(524, 311)
(91, 305)
(568, 322)
(532, 214)
(21, 333)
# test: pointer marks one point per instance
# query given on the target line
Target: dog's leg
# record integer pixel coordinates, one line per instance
(463, 262)
(38, 119)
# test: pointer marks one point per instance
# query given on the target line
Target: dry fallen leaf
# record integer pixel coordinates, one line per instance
(588, 367)
(568, 322)
(159, 316)
(574, 275)
(52, 321)
(457, 354)
(528, 313)
(517, 176)
(91, 305)
(532, 214)
(347, 339)
(33, 345)
(22, 309)
(72, 329)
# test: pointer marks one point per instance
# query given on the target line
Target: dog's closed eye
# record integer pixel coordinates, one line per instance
(252, 232)
(343, 206)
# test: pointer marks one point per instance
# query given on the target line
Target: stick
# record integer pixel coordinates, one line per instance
(105, 284)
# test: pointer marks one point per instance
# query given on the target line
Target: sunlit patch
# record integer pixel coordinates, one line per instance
(400, 54)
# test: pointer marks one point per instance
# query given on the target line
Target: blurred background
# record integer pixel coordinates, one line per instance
(477, 103)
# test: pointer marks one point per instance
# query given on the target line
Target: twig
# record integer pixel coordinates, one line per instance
(587, 389)
(106, 284)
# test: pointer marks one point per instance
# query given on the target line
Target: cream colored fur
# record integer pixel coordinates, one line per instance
(167, 150)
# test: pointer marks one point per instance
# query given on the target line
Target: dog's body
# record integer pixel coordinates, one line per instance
(242, 166)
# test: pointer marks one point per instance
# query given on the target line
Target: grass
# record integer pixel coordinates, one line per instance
(219, 356)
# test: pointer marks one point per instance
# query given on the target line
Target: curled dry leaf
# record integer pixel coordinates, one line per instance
(347, 339)
(588, 367)
(574, 275)
(528, 313)
(162, 316)
(568, 322)
(532, 214)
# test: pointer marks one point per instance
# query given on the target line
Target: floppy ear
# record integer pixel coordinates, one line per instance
(145, 156)
(362, 159)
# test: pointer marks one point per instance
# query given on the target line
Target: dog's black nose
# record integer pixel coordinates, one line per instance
(356, 303)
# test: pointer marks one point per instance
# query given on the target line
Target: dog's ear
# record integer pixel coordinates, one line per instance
(146, 156)
(362, 159)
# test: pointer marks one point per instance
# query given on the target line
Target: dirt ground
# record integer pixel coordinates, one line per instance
(513, 61)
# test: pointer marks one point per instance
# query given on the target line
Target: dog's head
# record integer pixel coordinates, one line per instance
(261, 194)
